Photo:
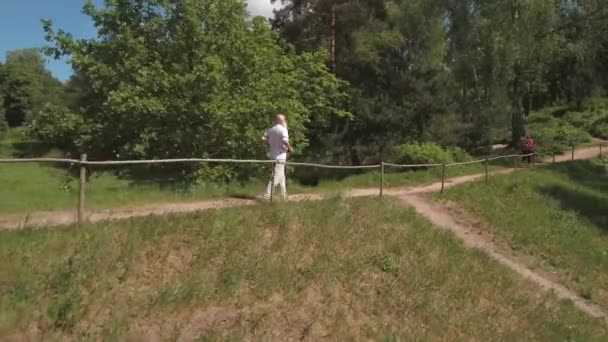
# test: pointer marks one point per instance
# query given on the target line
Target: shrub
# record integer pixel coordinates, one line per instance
(593, 119)
(429, 153)
(600, 129)
(596, 104)
(59, 127)
(554, 135)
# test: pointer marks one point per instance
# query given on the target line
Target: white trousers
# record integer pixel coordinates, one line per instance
(277, 180)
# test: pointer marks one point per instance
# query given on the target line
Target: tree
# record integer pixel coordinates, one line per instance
(391, 52)
(508, 65)
(453, 71)
(28, 86)
(191, 78)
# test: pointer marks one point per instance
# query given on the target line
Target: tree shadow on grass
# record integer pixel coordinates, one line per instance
(587, 173)
(592, 207)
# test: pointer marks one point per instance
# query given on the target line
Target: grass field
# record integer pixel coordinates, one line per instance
(558, 215)
(348, 270)
(33, 187)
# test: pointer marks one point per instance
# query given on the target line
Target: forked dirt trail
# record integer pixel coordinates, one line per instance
(474, 238)
(62, 218)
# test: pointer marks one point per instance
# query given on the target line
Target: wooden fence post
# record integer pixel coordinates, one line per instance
(487, 162)
(381, 178)
(81, 196)
(443, 178)
(600, 150)
(553, 157)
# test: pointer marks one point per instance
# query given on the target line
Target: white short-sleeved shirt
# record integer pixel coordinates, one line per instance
(276, 136)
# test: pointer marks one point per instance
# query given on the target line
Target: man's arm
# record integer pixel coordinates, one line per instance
(286, 143)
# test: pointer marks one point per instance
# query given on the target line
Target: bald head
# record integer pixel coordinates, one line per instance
(280, 120)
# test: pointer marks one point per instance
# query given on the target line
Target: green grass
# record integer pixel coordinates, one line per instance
(558, 215)
(339, 270)
(34, 187)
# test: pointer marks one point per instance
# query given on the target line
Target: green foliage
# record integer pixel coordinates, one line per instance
(199, 79)
(592, 117)
(554, 135)
(192, 80)
(453, 72)
(429, 153)
(389, 264)
(58, 126)
(600, 129)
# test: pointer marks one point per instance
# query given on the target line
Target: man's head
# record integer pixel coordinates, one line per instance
(280, 120)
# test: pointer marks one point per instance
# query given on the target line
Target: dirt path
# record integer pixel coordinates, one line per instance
(474, 238)
(63, 218)
(410, 196)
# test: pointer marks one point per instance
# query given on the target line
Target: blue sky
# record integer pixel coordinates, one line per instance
(20, 25)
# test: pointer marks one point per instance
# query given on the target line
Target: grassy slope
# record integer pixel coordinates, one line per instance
(32, 187)
(336, 269)
(559, 215)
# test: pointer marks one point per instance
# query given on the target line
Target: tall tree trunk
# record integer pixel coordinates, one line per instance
(518, 123)
(518, 128)
(333, 39)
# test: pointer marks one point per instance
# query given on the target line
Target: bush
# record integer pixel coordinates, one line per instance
(429, 153)
(600, 129)
(595, 104)
(593, 119)
(59, 127)
(554, 135)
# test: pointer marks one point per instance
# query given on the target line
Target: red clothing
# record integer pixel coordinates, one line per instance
(530, 146)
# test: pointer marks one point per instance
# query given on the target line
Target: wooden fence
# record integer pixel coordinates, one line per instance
(83, 163)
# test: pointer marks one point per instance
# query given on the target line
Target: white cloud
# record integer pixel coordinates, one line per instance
(261, 7)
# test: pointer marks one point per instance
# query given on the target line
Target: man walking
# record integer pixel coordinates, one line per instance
(277, 139)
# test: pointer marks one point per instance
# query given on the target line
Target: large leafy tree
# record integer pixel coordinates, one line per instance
(191, 78)
(28, 86)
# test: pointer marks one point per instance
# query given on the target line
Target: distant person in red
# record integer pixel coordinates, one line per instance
(529, 147)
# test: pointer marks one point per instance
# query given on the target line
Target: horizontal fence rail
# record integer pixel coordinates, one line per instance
(83, 163)
(512, 156)
(466, 163)
(175, 161)
(39, 160)
(411, 166)
(479, 161)
(344, 167)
